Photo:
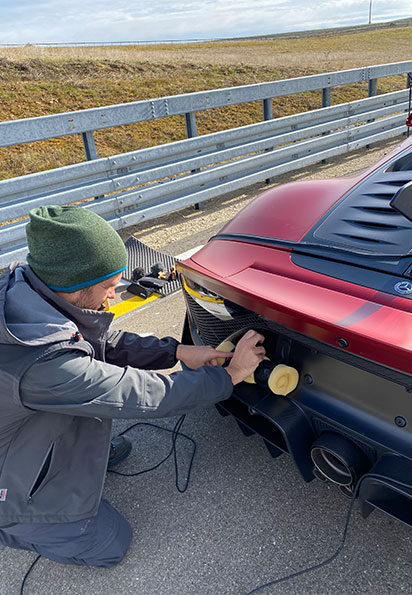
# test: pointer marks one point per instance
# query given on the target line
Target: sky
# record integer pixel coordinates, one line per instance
(36, 21)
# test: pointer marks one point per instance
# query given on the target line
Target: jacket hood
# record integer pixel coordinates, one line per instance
(32, 314)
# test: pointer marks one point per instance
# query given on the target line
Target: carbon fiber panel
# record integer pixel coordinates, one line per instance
(140, 255)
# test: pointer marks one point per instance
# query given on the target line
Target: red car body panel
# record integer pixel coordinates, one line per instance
(288, 211)
(311, 303)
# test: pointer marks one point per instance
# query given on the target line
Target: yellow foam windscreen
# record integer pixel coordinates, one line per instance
(225, 346)
(283, 379)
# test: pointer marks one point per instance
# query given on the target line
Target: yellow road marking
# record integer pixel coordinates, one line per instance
(131, 304)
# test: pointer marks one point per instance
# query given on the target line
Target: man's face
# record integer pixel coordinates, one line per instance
(93, 297)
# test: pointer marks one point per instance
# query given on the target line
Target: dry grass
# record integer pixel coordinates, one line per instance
(337, 52)
(37, 81)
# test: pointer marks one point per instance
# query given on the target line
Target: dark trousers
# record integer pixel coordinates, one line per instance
(101, 541)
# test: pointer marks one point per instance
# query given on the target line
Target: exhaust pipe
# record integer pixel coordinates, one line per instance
(339, 459)
(319, 475)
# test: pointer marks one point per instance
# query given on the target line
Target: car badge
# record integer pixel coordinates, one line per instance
(403, 287)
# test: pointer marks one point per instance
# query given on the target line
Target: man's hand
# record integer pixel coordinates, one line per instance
(195, 356)
(246, 357)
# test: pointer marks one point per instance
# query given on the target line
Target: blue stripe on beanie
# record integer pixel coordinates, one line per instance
(86, 283)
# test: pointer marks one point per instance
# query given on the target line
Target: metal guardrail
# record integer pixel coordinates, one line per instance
(139, 185)
(87, 121)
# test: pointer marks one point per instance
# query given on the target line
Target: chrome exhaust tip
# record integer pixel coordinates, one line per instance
(339, 459)
(319, 475)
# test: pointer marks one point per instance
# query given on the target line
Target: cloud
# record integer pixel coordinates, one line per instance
(39, 21)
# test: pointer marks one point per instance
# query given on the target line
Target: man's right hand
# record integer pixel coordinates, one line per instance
(247, 356)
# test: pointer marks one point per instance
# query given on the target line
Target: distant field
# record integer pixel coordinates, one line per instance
(40, 81)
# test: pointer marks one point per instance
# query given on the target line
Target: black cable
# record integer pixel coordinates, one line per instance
(28, 572)
(189, 472)
(342, 543)
(175, 434)
(315, 566)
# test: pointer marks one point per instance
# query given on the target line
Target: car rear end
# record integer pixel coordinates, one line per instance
(331, 312)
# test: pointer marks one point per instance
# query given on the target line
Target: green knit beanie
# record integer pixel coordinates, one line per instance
(72, 247)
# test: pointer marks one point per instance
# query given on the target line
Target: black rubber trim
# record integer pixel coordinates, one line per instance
(303, 247)
(325, 258)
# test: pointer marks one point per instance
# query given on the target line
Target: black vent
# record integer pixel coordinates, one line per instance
(213, 331)
(363, 220)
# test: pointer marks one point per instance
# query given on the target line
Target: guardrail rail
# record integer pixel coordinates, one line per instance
(136, 186)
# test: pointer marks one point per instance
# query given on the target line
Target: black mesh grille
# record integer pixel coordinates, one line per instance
(213, 331)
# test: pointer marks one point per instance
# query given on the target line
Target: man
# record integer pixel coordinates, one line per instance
(64, 376)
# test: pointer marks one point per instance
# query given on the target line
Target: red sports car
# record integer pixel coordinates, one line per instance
(323, 269)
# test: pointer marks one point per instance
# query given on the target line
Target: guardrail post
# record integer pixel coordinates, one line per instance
(409, 86)
(191, 131)
(326, 102)
(372, 92)
(90, 149)
(89, 145)
(372, 87)
(326, 97)
(191, 128)
(267, 109)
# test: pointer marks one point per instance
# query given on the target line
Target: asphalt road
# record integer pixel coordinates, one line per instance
(245, 519)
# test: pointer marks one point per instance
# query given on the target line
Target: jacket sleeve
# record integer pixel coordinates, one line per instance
(147, 353)
(74, 383)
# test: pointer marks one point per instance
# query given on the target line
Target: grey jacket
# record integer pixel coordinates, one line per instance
(63, 377)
